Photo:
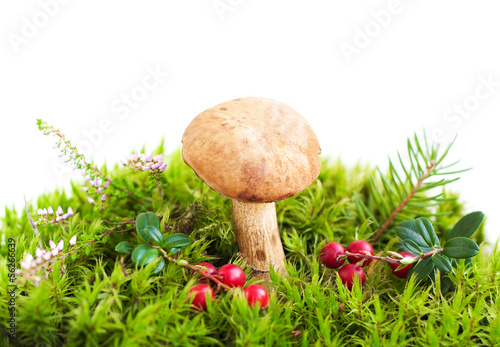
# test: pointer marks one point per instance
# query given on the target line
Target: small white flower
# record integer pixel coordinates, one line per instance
(103, 197)
(39, 212)
(60, 218)
(59, 211)
(50, 210)
(38, 252)
(45, 211)
(28, 258)
(24, 265)
(60, 245)
(55, 252)
(46, 256)
(85, 189)
(39, 260)
(52, 244)
(18, 272)
(36, 280)
(70, 211)
(90, 200)
(33, 263)
(72, 241)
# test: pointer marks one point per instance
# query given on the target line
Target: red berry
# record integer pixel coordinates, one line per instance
(211, 270)
(231, 275)
(200, 294)
(256, 294)
(359, 246)
(329, 255)
(404, 271)
(351, 271)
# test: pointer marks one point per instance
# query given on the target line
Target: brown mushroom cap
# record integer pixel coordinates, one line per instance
(252, 150)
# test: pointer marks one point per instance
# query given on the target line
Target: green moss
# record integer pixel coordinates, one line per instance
(99, 302)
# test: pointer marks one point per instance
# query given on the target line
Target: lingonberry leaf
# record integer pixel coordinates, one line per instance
(442, 263)
(176, 240)
(159, 267)
(425, 229)
(461, 248)
(153, 234)
(146, 219)
(466, 226)
(144, 254)
(422, 269)
(124, 247)
(412, 246)
(407, 230)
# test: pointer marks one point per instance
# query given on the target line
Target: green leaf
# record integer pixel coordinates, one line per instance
(466, 226)
(445, 284)
(425, 229)
(154, 234)
(422, 269)
(144, 254)
(146, 219)
(176, 240)
(124, 247)
(441, 262)
(412, 247)
(407, 230)
(461, 248)
(159, 267)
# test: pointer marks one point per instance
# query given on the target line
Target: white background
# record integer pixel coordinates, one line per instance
(365, 74)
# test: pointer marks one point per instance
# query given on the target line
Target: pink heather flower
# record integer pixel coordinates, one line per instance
(103, 197)
(55, 252)
(72, 241)
(149, 157)
(163, 168)
(50, 210)
(60, 245)
(28, 258)
(106, 184)
(60, 218)
(90, 200)
(46, 256)
(45, 211)
(39, 260)
(158, 157)
(52, 244)
(39, 212)
(33, 263)
(59, 211)
(85, 189)
(156, 166)
(24, 265)
(70, 211)
(38, 252)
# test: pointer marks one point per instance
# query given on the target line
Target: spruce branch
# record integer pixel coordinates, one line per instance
(404, 202)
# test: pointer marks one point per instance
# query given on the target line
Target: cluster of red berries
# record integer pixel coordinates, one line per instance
(331, 257)
(232, 276)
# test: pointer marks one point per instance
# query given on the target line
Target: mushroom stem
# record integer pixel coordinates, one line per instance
(257, 235)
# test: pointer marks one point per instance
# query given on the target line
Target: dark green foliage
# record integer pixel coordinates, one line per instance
(104, 299)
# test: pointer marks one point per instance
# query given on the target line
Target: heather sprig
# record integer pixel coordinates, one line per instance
(33, 268)
(49, 216)
(145, 162)
(96, 178)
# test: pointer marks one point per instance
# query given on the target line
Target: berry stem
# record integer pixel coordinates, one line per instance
(388, 259)
(194, 268)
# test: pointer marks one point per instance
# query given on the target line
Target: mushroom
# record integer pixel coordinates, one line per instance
(254, 151)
